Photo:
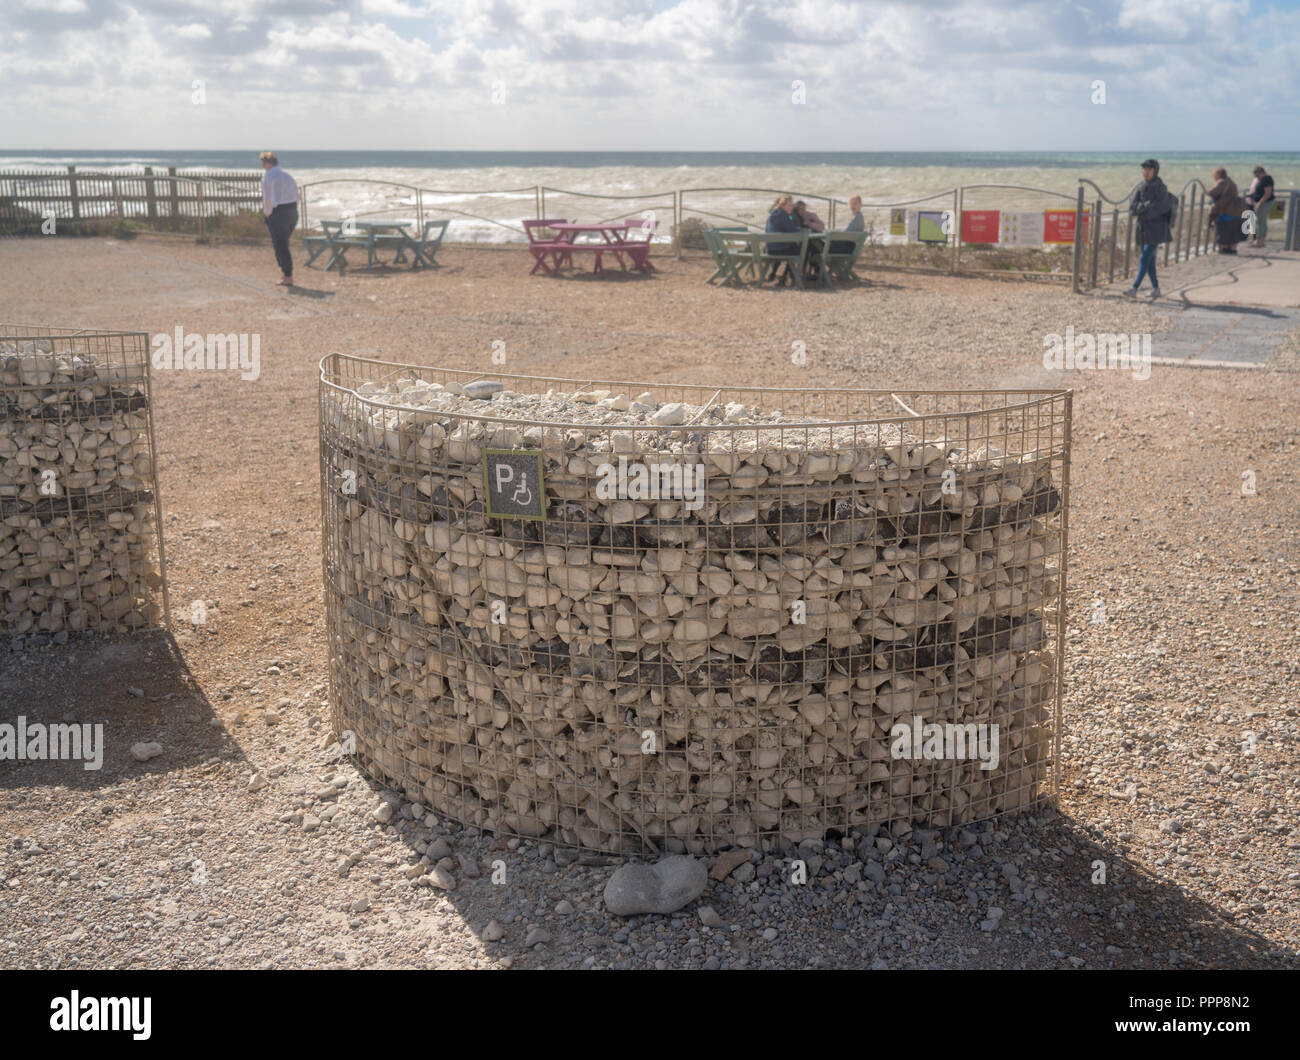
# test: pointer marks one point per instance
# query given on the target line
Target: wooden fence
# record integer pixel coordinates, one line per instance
(28, 198)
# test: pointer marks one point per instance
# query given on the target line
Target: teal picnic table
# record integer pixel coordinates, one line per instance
(375, 236)
(751, 252)
(736, 252)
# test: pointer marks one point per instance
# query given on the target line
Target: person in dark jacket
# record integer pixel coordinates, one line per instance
(1225, 214)
(782, 219)
(1260, 199)
(1153, 209)
(805, 218)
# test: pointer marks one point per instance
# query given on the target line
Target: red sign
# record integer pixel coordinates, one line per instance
(1058, 226)
(980, 226)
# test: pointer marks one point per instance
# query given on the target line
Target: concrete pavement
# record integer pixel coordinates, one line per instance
(1229, 311)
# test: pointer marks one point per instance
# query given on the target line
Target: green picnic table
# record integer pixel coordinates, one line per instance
(737, 251)
(374, 236)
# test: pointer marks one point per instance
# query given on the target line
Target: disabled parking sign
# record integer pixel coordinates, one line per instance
(513, 481)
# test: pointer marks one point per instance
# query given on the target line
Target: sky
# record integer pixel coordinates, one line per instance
(959, 75)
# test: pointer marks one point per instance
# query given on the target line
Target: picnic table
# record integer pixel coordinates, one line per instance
(616, 237)
(736, 251)
(373, 236)
(751, 252)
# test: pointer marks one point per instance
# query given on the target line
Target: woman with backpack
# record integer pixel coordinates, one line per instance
(1153, 208)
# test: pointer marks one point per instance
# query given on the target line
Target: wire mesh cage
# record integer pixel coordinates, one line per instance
(80, 516)
(699, 618)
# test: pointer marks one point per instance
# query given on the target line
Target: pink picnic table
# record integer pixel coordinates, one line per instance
(613, 235)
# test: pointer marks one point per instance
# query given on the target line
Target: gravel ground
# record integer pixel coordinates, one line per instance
(248, 843)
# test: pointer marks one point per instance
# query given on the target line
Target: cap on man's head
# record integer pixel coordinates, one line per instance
(269, 156)
(1151, 163)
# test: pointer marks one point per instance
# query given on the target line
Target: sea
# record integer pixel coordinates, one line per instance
(487, 193)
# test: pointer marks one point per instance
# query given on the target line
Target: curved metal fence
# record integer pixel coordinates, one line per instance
(1097, 249)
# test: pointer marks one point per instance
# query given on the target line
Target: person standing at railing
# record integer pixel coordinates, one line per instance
(280, 207)
(1225, 214)
(1260, 199)
(1153, 208)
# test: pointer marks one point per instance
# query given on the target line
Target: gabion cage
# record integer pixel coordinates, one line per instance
(806, 616)
(80, 516)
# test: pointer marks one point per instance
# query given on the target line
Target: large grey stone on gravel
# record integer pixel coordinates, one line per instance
(483, 389)
(663, 887)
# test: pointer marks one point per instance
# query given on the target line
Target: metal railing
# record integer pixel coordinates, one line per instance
(1190, 236)
(1102, 249)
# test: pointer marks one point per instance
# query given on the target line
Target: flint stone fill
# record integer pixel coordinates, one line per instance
(663, 887)
(633, 674)
(76, 491)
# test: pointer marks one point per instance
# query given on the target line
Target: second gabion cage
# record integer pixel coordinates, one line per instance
(80, 519)
(637, 617)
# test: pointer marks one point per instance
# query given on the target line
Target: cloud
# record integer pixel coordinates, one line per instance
(711, 71)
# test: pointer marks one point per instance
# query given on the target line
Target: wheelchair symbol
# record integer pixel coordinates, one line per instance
(522, 495)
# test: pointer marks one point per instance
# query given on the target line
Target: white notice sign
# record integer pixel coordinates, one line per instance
(1022, 228)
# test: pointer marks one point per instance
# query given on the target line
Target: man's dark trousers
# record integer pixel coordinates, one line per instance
(281, 223)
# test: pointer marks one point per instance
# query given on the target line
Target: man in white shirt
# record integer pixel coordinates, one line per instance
(280, 205)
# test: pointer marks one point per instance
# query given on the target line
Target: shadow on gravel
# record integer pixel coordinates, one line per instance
(138, 688)
(907, 914)
(1148, 914)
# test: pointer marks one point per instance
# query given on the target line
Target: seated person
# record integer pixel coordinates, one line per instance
(809, 220)
(857, 223)
(781, 219)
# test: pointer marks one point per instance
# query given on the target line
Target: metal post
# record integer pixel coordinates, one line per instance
(1078, 240)
(1201, 227)
(1178, 229)
(677, 223)
(541, 201)
(954, 256)
(959, 202)
(1292, 227)
(419, 209)
(1128, 247)
(1114, 236)
(1094, 218)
